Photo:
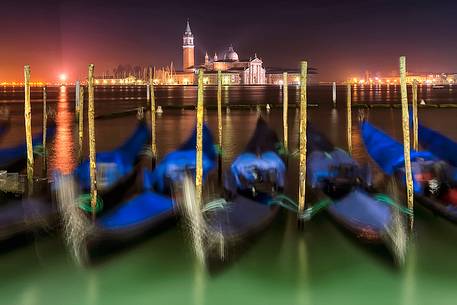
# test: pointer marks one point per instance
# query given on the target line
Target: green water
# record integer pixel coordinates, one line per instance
(319, 265)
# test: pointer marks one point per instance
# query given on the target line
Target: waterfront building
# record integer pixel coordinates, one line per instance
(274, 76)
(235, 70)
(429, 79)
(245, 71)
(109, 80)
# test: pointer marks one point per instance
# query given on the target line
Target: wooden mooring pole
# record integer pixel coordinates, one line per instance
(152, 103)
(406, 140)
(334, 94)
(219, 122)
(349, 117)
(45, 122)
(302, 132)
(81, 122)
(285, 106)
(415, 117)
(28, 128)
(199, 144)
(92, 148)
(77, 97)
(148, 91)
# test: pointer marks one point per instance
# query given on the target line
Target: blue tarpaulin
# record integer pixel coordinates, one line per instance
(441, 146)
(10, 154)
(175, 164)
(361, 209)
(137, 210)
(121, 159)
(387, 152)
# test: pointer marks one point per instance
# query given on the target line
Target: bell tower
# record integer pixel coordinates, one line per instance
(188, 59)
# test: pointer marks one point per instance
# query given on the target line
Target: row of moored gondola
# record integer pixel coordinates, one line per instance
(136, 199)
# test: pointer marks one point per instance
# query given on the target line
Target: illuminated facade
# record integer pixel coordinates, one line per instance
(246, 72)
(130, 80)
(420, 78)
(276, 77)
(187, 75)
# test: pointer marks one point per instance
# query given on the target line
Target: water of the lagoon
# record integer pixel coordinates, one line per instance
(285, 266)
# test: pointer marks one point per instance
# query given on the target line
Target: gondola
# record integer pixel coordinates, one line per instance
(438, 144)
(432, 178)
(21, 217)
(248, 211)
(116, 164)
(13, 159)
(344, 189)
(133, 217)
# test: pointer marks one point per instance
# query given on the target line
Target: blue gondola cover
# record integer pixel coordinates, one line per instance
(115, 163)
(10, 154)
(441, 146)
(175, 164)
(389, 154)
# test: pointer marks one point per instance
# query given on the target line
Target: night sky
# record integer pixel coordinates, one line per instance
(339, 38)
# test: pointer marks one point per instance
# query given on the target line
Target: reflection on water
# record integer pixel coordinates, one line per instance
(409, 277)
(358, 148)
(63, 158)
(29, 296)
(92, 288)
(334, 120)
(303, 279)
(199, 282)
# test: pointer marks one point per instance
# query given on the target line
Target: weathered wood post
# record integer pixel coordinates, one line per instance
(219, 122)
(199, 146)
(406, 141)
(77, 97)
(28, 128)
(92, 148)
(415, 117)
(334, 94)
(349, 117)
(302, 132)
(45, 122)
(285, 99)
(81, 122)
(148, 92)
(152, 103)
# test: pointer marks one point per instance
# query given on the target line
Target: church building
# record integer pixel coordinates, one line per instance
(235, 71)
(188, 74)
(245, 71)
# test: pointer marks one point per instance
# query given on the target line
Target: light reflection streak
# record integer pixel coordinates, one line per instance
(303, 279)
(409, 277)
(200, 279)
(63, 159)
(30, 296)
(358, 149)
(93, 289)
(334, 125)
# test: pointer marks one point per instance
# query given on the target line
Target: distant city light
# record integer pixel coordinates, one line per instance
(63, 77)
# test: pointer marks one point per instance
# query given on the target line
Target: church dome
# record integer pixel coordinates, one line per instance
(231, 55)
